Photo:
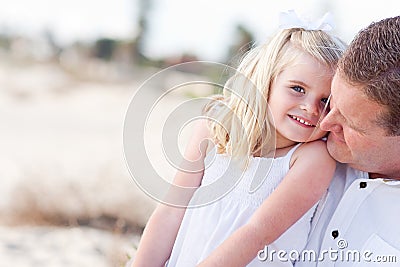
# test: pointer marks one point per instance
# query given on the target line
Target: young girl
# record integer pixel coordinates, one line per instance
(292, 74)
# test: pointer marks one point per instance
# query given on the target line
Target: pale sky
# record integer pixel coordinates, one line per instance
(201, 27)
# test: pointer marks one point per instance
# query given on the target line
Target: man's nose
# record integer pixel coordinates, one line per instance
(329, 123)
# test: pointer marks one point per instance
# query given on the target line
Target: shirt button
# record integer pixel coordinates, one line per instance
(335, 234)
(363, 184)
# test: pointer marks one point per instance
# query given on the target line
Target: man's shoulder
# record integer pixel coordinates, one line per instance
(344, 176)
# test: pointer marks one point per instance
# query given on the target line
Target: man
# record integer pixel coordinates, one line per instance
(357, 223)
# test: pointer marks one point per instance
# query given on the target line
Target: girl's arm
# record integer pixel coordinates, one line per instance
(159, 235)
(308, 178)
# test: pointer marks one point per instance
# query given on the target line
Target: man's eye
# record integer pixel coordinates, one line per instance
(298, 89)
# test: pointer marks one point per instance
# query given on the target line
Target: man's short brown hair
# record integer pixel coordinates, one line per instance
(372, 62)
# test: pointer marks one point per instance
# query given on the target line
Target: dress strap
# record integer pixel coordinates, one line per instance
(292, 150)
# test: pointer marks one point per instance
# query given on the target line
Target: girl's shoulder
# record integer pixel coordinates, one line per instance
(312, 152)
(201, 128)
(201, 137)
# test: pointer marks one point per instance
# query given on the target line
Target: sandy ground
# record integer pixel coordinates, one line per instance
(67, 198)
(60, 246)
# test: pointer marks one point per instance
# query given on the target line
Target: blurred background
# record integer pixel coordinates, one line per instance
(68, 70)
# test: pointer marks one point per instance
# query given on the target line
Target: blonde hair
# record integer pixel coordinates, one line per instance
(240, 125)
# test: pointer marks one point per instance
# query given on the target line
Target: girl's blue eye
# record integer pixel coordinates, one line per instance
(298, 89)
(325, 104)
(324, 100)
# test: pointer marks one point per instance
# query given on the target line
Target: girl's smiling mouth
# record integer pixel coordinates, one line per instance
(302, 121)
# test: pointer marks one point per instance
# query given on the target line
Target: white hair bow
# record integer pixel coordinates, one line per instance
(290, 19)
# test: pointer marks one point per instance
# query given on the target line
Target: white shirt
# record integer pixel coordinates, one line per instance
(356, 224)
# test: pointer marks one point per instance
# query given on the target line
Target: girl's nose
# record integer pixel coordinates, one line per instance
(312, 108)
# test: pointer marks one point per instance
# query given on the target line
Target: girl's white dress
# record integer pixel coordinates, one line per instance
(206, 226)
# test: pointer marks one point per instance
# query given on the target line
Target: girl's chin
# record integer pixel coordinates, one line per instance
(317, 136)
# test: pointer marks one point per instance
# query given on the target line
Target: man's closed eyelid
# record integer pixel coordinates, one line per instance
(352, 125)
(357, 129)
